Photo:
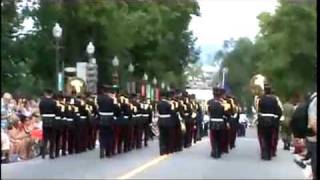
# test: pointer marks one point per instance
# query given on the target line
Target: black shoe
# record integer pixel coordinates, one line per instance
(51, 157)
(300, 163)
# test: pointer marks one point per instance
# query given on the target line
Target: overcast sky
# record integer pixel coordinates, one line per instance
(224, 19)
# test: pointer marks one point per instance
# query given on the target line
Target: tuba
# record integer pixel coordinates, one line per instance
(257, 84)
(75, 84)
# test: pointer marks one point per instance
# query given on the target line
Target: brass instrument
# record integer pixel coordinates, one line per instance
(77, 84)
(257, 84)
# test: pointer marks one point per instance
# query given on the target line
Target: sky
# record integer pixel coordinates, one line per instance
(224, 19)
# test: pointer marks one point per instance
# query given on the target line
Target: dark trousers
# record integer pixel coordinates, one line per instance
(58, 133)
(225, 140)
(130, 136)
(188, 135)
(92, 135)
(123, 143)
(166, 140)
(216, 142)
(106, 137)
(146, 131)
(64, 138)
(241, 131)
(71, 138)
(233, 135)
(275, 139)
(178, 138)
(48, 136)
(139, 133)
(265, 139)
(78, 137)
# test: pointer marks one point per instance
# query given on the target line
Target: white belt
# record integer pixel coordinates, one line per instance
(164, 115)
(126, 117)
(58, 118)
(145, 115)
(134, 115)
(186, 114)
(78, 114)
(69, 119)
(138, 115)
(216, 119)
(65, 119)
(268, 115)
(106, 113)
(83, 117)
(48, 115)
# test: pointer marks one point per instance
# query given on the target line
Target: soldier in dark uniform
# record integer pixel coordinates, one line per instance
(123, 119)
(48, 111)
(165, 124)
(64, 126)
(146, 118)
(83, 124)
(227, 118)
(178, 123)
(94, 118)
(268, 112)
(58, 124)
(189, 122)
(216, 111)
(117, 122)
(70, 116)
(90, 121)
(76, 103)
(138, 127)
(234, 122)
(107, 108)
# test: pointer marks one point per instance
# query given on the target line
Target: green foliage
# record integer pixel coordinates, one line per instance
(153, 35)
(284, 51)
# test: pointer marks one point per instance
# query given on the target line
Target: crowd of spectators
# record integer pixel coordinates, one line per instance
(20, 128)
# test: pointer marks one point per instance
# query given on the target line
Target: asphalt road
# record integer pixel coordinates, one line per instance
(193, 163)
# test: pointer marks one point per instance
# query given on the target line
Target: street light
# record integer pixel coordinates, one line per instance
(115, 61)
(90, 49)
(131, 86)
(57, 33)
(131, 68)
(224, 71)
(163, 85)
(154, 81)
(145, 77)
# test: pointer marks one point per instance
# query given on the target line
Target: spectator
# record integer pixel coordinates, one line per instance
(6, 110)
(311, 140)
(286, 132)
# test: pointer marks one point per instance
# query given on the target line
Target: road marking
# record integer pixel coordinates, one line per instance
(143, 167)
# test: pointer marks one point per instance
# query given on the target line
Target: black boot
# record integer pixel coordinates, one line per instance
(101, 153)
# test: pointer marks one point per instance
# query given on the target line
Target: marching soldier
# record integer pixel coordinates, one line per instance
(227, 118)
(269, 112)
(70, 117)
(75, 104)
(217, 111)
(179, 126)
(64, 126)
(83, 124)
(233, 121)
(125, 115)
(116, 123)
(58, 125)
(186, 115)
(48, 110)
(146, 116)
(106, 108)
(138, 125)
(93, 124)
(165, 124)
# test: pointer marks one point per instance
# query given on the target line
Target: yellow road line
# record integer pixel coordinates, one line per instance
(143, 167)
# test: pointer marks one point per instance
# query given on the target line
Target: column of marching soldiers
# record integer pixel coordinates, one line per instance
(71, 124)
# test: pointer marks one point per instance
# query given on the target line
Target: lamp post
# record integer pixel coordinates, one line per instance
(90, 50)
(131, 87)
(57, 33)
(115, 63)
(155, 91)
(224, 72)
